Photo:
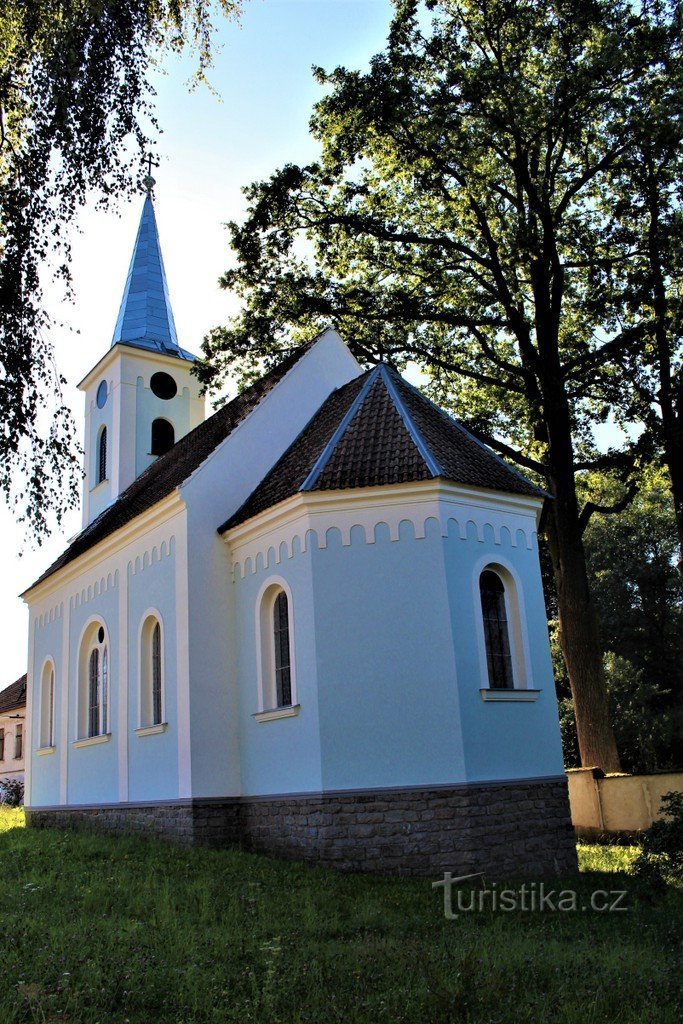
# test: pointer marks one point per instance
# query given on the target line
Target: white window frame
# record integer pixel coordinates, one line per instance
(86, 644)
(48, 729)
(265, 652)
(145, 677)
(515, 611)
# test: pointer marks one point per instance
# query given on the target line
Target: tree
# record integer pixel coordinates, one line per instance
(74, 95)
(631, 565)
(456, 218)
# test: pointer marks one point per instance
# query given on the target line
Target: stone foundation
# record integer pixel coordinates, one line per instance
(508, 829)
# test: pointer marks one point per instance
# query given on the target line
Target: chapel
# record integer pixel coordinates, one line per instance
(311, 623)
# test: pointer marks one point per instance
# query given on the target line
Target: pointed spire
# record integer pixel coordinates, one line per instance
(145, 318)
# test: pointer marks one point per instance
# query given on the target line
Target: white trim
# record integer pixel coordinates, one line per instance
(143, 523)
(124, 682)
(65, 691)
(92, 741)
(49, 660)
(105, 646)
(42, 751)
(120, 349)
(367, 507)
(151, 613)
(275, 583)
(515, 609)
(29, 708)
(151, 730)
(489, 694)
(182, 630)
(290, 711)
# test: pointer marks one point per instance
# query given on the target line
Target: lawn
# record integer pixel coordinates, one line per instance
(132, 930)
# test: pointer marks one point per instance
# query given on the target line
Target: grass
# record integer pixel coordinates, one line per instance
(132, 930)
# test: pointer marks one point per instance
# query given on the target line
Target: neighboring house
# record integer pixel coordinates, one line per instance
(13, 730)
(312, 623)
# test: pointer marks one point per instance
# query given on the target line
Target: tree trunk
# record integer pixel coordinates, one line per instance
(579, 631)
(579, 635)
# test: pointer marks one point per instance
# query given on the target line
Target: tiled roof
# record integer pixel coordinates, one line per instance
(172, 469)
(145, 318)
(379, 430)
(14, 695)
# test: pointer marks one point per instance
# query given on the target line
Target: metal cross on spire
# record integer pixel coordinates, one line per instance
(148, 181)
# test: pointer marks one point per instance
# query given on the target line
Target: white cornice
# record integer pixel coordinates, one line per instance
(121, 349)
(415, 503)
(312, 502)
(142, 524)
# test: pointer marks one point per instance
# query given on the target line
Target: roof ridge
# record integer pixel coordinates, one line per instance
(431, 462)
(326, 453)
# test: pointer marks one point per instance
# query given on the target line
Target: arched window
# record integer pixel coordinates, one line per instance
(102, 456)
(163, 437)
(283, 676)
(93, 703)
(47, 706)
(276, 660)
(496, 630)
(151, 673)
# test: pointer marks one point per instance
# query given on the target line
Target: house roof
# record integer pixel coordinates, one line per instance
(379, 430)
(172, 469)
(14, 695)
(145, 318)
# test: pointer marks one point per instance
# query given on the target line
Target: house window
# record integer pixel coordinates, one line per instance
(496, 630)
(93, 709)
(283, 678)
(275, 651)
(19, 743)
(151, 673)
(2, 744)
(102, 456)
(163, 437)
(47, 707)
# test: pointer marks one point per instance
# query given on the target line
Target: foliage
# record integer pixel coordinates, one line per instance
(460, 216)
(607, 858)
(11, 818)
(661, 858)
(124, 929)
(74, 105)
(638, 592)
(11, 792)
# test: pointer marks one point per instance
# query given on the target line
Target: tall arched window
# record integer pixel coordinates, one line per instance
(163, 437)
(496, 630)
(151, 673)
(283, 676)
(47, 706)
(93, 703)
(102, 456)
(275, 652)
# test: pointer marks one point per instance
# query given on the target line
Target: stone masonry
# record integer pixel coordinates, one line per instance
(509, 829)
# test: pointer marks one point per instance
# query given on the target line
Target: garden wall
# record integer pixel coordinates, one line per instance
(616, 805)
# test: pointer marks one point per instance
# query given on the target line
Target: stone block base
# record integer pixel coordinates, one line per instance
(506, 829)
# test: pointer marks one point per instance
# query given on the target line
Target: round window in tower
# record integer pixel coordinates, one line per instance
(163, 386)
(102, 394)
(100, 635)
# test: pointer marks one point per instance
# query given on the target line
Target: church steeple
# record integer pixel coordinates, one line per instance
(141, 397)
(145, 318)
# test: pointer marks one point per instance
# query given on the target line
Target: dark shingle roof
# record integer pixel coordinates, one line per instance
(14, 695)
(380, 430)
(172, 469)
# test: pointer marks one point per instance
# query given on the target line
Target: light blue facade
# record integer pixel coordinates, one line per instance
(389, 666)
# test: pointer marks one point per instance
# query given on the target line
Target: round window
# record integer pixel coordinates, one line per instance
(102, 394)
(100, 635)
(163, 386)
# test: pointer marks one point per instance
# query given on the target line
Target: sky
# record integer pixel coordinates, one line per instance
(210, 148)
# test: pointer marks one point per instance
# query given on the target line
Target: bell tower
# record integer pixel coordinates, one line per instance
(141, 397)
